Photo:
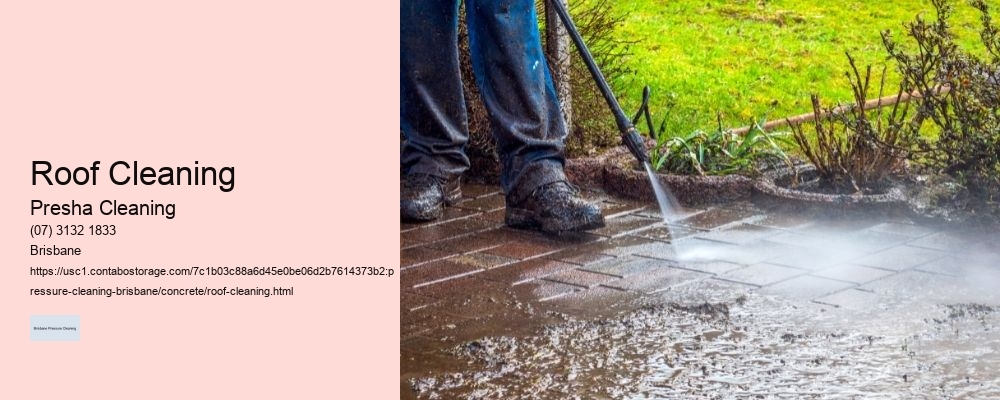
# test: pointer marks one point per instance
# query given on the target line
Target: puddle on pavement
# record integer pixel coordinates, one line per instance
(752, 346)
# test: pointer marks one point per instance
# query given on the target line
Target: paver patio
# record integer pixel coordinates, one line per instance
(467, 275)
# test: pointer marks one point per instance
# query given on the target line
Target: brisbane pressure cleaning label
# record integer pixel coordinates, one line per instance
(55, 328)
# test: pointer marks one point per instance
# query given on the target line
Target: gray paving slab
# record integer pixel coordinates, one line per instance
(525, 271)
(943, 241)
(762, 274)
(806, 287)
(697, 249)
(813, 259)
(741, 233)
(656, 279)
(666, 233)
(900, 257)
(543, 290)
(715, 217)
(627, 266)
(904, 229)
(625, 224)
(578, 277)
(852, 299)
(858, 274)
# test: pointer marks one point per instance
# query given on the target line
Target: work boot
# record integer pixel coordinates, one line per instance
(422, 197)
(555, 207)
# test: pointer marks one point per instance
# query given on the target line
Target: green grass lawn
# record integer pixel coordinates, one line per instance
(750, 59)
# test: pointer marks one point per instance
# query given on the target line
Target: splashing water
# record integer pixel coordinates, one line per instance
(666, 200)
(670, 212)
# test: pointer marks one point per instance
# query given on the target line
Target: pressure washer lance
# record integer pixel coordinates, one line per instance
(630, 136)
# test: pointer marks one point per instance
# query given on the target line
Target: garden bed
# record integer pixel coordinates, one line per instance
(619, 174)
(777, 188)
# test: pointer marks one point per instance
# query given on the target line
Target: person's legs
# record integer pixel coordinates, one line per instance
(517, 90)
(527, 123)
(431, 107)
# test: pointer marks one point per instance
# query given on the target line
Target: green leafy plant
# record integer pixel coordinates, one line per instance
(717, 152)
(854, 148)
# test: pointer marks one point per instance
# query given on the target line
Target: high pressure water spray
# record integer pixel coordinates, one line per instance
(630, 136)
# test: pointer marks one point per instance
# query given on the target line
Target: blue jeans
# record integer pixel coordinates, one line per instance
(513, 79)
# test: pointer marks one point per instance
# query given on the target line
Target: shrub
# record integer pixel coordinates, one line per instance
(959, 94)
(593, 125)
(855, 149)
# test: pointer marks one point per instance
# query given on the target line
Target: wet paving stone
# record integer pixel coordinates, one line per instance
(409, 226)
(715, 217)
(868, 240)
(435, 272)
(458, 288)
(930, 288)
(425, 320)
(623, 225)
(949, 265)
(816, 258)
(481, 260)
(575, 256)
(711, 267)
(409, 301)
(634, 245)
(619, 246)
(680, 212)
(484, 204)
(703, 291)
(784, 221)
(572, 239)
(419, 255)
(903, 229)
(739, 234)
(853, 273)
(454, 213)
(542, 290)
(525, 271)
(900, 257)
(406, 241)
(806, 287)
(800, 239)
(514, 321)
(762, 274)
(657, 279)
(447, 230)
(594, 303)
(496, 216)
(481, 304)
(852, 299)
(943, 241)
(523, 249)
(580, 278)
(615, 208)
(838, 226)
(747, 254)
(476, 190)
(666, 233)
(472, 243)
(627, 266)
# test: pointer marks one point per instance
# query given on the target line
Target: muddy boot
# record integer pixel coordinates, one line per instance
(555, 207)
(422, 197)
